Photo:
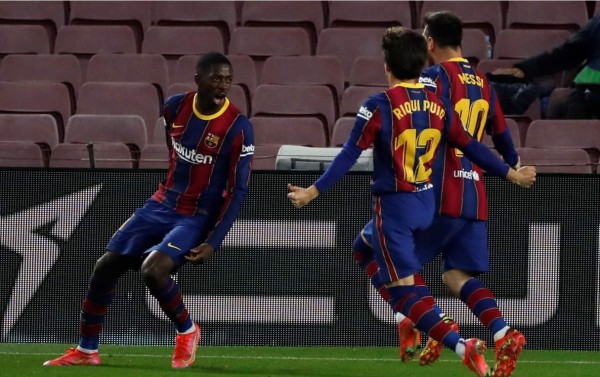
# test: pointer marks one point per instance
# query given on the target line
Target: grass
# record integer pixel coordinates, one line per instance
(125, 361)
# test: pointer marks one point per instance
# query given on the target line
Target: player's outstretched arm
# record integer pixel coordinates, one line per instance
(524, 177)
(300, 196)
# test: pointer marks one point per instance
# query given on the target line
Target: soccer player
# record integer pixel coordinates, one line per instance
(405, 124)
(211, 147)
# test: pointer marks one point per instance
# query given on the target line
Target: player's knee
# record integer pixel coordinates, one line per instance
(109, 265)
(361, 251)
(155, 271)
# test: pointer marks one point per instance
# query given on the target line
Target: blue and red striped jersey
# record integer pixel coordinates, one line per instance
(209, 164)
(458, 181)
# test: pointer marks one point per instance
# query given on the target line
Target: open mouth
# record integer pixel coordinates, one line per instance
(220, 98)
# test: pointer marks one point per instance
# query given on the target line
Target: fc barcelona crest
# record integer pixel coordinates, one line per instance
(211, 140)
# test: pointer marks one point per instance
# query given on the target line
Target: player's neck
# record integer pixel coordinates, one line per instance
(446, 54)
(394, 81)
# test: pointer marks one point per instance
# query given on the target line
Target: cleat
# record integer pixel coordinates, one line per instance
(184, 354)
(508, 350)
(410, 339)
(433, 348)
(473, 359)
(73, 356)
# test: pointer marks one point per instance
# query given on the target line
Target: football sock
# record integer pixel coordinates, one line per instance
(425, 294)
(483, 304)
(404, 299)
(363, 255)
(170, 301)
(93, 310)
(500, 334)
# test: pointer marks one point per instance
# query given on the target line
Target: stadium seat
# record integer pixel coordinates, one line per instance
(220, 14)
(380, 14)
(355, 96)
(515, 135)
(368, 71)
(155, 156)
(109, 98)
(126, 129)
(175, 41)
(83, 41)
(294, 157)
(44, 67)
(521, 44)
(474, 46)
(38, 128)
(135, 14)
(553, 160)
(37, 97)
(568, 15)
(49, 14)
(23, 39)
(341, 130)
(21, 154)
(100, 155)
(305, 70)
(483, 15)
(262, 42)
(306, 14)
(557, 98)
(151, 68)
(490, 65)
(265, 156)
(158, 136)
(348, 44)
(295, 101)
(236, 95)
(244, 71)
(289, 130)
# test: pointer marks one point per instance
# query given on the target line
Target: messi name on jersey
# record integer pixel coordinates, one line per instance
(190, 155)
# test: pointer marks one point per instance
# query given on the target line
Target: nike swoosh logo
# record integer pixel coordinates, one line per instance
(173, 246)
(177, 125)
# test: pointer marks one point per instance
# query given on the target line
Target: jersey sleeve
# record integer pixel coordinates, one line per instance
(240, 165)
(363, 134)
(500, 133)
(169, 112)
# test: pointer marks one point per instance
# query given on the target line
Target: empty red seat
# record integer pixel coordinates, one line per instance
(515, 135)
(305, 70)
(348, 44)
(38, 128)
(175, 41)
(554, 160)
(370, 13)
(126, 129)
(306, 14)
(37, 97)
(289, 130)
(155, 156)
(44, 67)
(295, 100)
(49, 14)
(546, 133)
(221, 14)
(151, 68)
(21, 154)
(23, 39)
(474, 46)
(265, 156)
(84, 41)
(483, 15)
(341, 130)
(262, 42)
(368, 71)
(109, 98)
(135, 14)
(100, 155)
(570, 15)
(524, 43)
(355, 96)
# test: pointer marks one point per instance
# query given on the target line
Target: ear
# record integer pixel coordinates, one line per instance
(386, 67)
(196, 79)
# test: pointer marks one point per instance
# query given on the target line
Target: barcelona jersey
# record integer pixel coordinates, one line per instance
(458, 181)
(210, 162)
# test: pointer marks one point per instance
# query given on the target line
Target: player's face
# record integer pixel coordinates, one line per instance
(430, 44)
(213, 86)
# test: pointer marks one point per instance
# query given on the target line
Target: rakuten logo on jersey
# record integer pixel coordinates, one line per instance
(191, 155)
(364, 113)
(464, 174)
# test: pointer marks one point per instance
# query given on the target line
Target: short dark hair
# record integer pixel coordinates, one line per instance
(405, 52)
(444, 28)
(208, 60)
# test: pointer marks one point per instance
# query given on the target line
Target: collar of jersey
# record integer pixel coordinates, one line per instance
(408, 85)
(212, 116)
(458, 60)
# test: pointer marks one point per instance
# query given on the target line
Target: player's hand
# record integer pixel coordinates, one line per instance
(200, 254)
(300, 196)
(516, 72)
(524, 177)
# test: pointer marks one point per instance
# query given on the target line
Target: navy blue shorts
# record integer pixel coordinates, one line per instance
(155, 227)
(396, 219)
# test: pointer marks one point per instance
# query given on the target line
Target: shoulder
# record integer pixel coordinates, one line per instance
(431, 74)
